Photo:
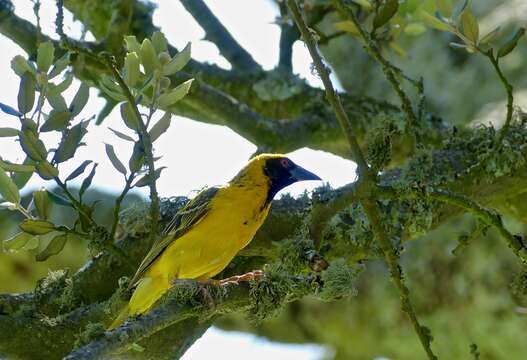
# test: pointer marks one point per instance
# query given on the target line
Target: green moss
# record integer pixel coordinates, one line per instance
(278, 85)
(519, 287)
(293, 254)
(380, 138)
(54, 293)
(91, 332)
(135, 219)
(491, 161)
(270, 294)
(185, 292)
(408, 219)
(349, 233)
(339, 280)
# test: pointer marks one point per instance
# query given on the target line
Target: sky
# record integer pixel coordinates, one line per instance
(195, 154)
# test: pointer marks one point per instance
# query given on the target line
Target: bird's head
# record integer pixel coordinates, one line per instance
(276, 171)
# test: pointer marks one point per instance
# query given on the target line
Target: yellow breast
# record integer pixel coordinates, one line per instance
(234, 216)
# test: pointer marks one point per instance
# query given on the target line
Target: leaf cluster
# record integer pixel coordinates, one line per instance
(41, 108)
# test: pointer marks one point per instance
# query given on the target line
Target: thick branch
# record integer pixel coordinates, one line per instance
(220, 36)
(279, 123)
(177, 306)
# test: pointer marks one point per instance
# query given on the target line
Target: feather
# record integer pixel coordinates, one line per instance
(181, 223)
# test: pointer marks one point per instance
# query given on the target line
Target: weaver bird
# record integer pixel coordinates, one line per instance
(206, 234)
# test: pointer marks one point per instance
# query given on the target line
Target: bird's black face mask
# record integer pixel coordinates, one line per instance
(283, 172)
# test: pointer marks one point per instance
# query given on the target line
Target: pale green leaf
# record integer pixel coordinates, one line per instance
(121, 135)
(54, 247)
(33, 146)
(445, 7)
(20, 65)
(117, 164)
(386, 11)
(36, 227)
(8, 132)
(131, 69)
(148, 57)
(129, 116)
(78, 171)
(46, 170)
(11, 167)
(470, 26)
(160, 127)
(60, 87)
(70, 142)
(42, 203)
(57, 102)
(80, 99)
(45, 56)
(8, 189)
(60, 65)
(159, 42)
(347, 26)
(57, 120)
(26, 93)
(507, 48)
(145, 180)
(168, 99)
(434, 22)
(132, 44)
(18, 241)
(20, 178)
(490, 36)
(178, 62)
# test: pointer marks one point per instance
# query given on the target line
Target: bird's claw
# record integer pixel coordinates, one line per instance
(235, 280)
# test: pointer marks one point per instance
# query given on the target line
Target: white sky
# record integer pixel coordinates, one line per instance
(196, 154)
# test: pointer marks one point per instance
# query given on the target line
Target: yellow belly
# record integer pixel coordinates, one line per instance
(205, 250)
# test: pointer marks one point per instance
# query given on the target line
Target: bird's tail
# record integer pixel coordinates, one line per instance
(123, 315)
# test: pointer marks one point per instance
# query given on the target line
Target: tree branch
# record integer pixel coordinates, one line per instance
(186, 300)
(367, 181)
(218, 34)
(279, 124)
(331, 95)
(330, 216)
(288, 35)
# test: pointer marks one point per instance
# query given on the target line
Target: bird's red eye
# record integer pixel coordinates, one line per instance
(284, 162)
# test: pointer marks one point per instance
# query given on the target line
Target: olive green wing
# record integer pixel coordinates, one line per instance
(182, 222)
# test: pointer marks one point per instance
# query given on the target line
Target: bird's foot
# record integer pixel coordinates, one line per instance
(250, 276)
(205, 292)
(202, 284)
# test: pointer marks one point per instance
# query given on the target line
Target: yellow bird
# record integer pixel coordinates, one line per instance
(205, 235)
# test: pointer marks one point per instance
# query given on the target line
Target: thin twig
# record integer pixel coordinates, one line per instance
(510, 98)
(108, 245)
(367, 181)
(59, 21)
(489, 217)
(396, 274)
(76, 203)
(387, 68)
(118, 202)
(144, 136)
(331, 94)
(36, 11)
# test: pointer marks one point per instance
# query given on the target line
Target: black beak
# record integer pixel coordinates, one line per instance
(300, 174)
